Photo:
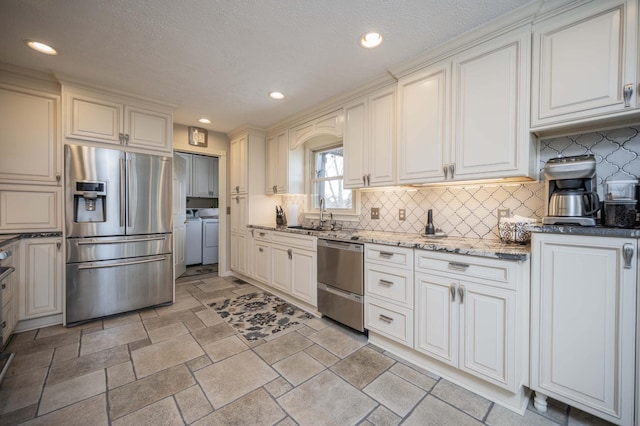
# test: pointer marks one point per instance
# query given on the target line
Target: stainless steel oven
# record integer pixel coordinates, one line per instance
(341, 282)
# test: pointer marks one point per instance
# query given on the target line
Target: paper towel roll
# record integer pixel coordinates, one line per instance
(292, 215)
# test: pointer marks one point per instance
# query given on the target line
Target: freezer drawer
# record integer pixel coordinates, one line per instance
(97, 289)
(106, 248)
(346, 308)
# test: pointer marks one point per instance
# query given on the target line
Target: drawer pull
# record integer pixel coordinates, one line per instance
(260, 249)
(4, 285)
(385, 318)
(386, 254)
(386, 283)
(4, 324)
(262, 234)
(455, 266)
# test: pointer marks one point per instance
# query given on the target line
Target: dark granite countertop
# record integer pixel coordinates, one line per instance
(6, 239)
(594, 231)
(469, 246)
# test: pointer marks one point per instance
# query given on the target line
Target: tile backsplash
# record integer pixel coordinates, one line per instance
(471, 210)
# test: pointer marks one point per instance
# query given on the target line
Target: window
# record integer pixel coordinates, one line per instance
(326, 180)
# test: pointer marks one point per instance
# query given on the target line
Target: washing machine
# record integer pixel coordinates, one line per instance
(193, 243)
(210, 236)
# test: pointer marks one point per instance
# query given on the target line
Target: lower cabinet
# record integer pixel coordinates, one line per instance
(262, 257)
(583, 323)
(40, 278)
(9, 289)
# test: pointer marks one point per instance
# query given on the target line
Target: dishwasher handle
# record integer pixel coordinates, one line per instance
(341, 245)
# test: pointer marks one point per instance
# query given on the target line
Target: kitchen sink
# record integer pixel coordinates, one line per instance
(311, 228)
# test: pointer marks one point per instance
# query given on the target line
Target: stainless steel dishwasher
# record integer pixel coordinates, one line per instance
(341, 282)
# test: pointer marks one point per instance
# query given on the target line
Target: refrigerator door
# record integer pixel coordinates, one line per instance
(85, 166)
(148, 193)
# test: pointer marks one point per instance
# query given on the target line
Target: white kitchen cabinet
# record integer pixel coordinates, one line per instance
(261, 255)
(238, 219)
(281, 268)
(328, 124)
(369, 140)
(9, 292)
(294, 266)
(238, 161)
(205, 179)
(471, 314)
(188, 158)
(27, 208)
(29, 137)
(583, 339)
(584, 62)
(40, 278)
(285, 167)
(101, 117)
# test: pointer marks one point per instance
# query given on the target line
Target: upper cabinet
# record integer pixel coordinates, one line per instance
(466, 117)
(585, 63)
(328, 124)
(284, 167)
(238, 160)
(100, 117)
(205, 177)
(29, 136)
(369, 140)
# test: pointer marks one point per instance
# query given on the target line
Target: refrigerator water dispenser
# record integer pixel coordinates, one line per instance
(90, 202)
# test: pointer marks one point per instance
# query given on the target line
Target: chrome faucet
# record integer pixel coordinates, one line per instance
(322, 209)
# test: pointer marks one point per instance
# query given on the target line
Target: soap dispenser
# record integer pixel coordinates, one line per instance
(430, 229)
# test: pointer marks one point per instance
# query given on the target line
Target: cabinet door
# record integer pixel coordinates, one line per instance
(381, 156)
(202, 171)
(437, 318)
(583, 322)
(30, 208)
(238, 217)
(189, 167)
(423, 124)
(40, 278)
(262, 261)
(93, 119)
(582, 60)
(490, 89)
(272, 166)
(487, 333)
(354, 145)
(304, 282)
(148, 129)
(281, 257)
(213, 177)
(29, 137)
(282, 175)
(238, 164)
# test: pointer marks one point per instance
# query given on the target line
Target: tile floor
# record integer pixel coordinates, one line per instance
(182, 364)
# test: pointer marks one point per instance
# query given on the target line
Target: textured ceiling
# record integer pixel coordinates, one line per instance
(220, 58)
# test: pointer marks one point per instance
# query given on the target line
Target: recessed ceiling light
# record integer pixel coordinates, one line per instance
(276, 95)
(205, 121)
(41, 47)
(370, 40)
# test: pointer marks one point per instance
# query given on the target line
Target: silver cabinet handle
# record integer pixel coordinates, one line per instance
(4, 324)
(452, 289)
(456, 266)
(290, 253)
(445, 170)
(126, 139)
(58, 178)
(262, 234)
(627, 255)
(58, 244)
(385, 318)
(386, 254)
(385, 283)
(121, 138)
(627, 93)
(452, 169)
(461, 293)
(364, 180)
(237, 189)
(260, 249)
(252, 234)
(4, 286)
(237, 200)
(368, 180)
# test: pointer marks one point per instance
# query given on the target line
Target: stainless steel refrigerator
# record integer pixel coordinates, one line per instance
(118, 224)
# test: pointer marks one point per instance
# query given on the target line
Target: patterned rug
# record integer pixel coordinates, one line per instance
(259, 315)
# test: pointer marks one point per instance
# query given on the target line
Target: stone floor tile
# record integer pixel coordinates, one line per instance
(362, 367)
(245, 291)
(92, 411)
(298, 368)
(213, 333)
(120, 374)
(80, 366)
(282, 347)
(254, 409)
(214, 284)
(326, 399)
(96, 327)
(21, 390)
(228, 380)
(287, 421)
(66, 352)
(163, 412)
(412, 366)
(167, 332)
(225, 348)
(290, 329)
(316, 323)
(413, 376)
(278, 387)
(139, 344)
(193, 404)
(322, 355)
(24, 363)
(395, 393)
(19, 416)
(432, 411)
(186, 317)
(25, 336)
(25, 346)
(467, 401)
(129, 398)
(338, 342)
(147, 313)
(74, 390)
(116, 336)
(209, 317)
(199, 363)
(122, 319)
(181, 304)
(306, 331)
(382, 416)
(165, 354)
(580, 418)
(53, 330)
(500, 416)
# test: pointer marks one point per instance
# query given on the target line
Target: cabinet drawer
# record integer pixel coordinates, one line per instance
(261, 235)
(392, 284)
(390, 320)
(490, 271)
(292, 240)
(389, 255)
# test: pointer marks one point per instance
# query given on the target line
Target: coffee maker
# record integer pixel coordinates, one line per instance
(571, 191)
